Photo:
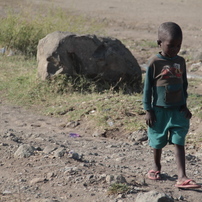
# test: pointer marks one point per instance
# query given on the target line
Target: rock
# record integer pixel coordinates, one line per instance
(45, 200)
(6, 192)
(153, 196)
(11, 136)
(71, 170)
(37, 180)
(168, 159)
(138, 136)
(102, 177)
(181, 198)
(88, 55)
(191, 158)
(2, 50)
(183, 52)
(59, 152)
(11, 53)
(115, 179)
(110, 122)
(76, 156)
(73, 124)
(198, 55)
(120, 179)
(24, 151)
(99, 134)
(111, 146)
(50, 148)
(3, 144)
(109, 179)
(121, 159)
(196, 67)
(50, 175)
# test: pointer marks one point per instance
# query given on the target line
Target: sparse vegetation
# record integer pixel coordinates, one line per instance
(22, 30)
(147, 44)
(118, 188)
(50, 176)
(75, 98)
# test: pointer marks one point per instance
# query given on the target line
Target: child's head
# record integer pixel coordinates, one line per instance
(169, 39)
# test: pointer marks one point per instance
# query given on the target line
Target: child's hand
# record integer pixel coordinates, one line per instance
(186, 112)
(150, 118)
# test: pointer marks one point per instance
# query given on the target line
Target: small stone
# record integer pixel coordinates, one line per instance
(89, 177)
(121, 159)
(109, 179)
(60, 152)
(48, 149)
(102, 177)
(37, 180)
(76, 156)
(50, 175)
(120, 179)
(99, 134)
(24, 151)
(6, 192)
(111, 146)
(181, 198)
(138, 136)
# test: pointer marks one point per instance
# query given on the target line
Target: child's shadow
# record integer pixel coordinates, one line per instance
(165, 177)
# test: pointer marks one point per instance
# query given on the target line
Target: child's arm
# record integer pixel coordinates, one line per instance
(147, 98)
(147, 91)
(184, 108)
(185, 81)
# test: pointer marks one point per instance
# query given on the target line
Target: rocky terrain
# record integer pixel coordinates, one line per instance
(44, 162)
(40, 161)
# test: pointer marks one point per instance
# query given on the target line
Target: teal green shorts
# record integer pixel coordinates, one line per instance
(171, 126)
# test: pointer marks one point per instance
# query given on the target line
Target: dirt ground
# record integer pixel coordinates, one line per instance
(47, 176)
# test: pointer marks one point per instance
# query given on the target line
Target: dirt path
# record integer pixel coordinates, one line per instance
(64, 168)
(49, 175)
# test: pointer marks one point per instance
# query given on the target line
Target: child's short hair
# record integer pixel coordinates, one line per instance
(169, 30)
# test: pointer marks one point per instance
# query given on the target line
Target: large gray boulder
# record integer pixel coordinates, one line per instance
(94, 57)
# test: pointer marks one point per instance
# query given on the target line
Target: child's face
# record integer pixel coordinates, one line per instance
(170, 47)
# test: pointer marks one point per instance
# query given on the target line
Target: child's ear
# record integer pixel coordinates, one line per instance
(159, 42)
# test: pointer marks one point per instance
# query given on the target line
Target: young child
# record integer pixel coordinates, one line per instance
(164, 99)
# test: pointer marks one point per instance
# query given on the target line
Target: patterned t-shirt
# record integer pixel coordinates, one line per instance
(165, 82)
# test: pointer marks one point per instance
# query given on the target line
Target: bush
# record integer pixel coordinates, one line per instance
(118, 188)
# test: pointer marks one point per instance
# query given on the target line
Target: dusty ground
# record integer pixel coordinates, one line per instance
(47, 177)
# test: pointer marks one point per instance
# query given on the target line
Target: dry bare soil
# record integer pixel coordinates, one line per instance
(46, 176)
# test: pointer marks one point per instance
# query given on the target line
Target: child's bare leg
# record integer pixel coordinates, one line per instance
(183, 181)
(180, 160)
(154, 174)
(157, 159)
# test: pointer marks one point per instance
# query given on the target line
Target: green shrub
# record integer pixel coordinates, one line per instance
(118, 188)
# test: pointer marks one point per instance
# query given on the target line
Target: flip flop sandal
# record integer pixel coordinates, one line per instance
(188, 184)
(154, 175)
